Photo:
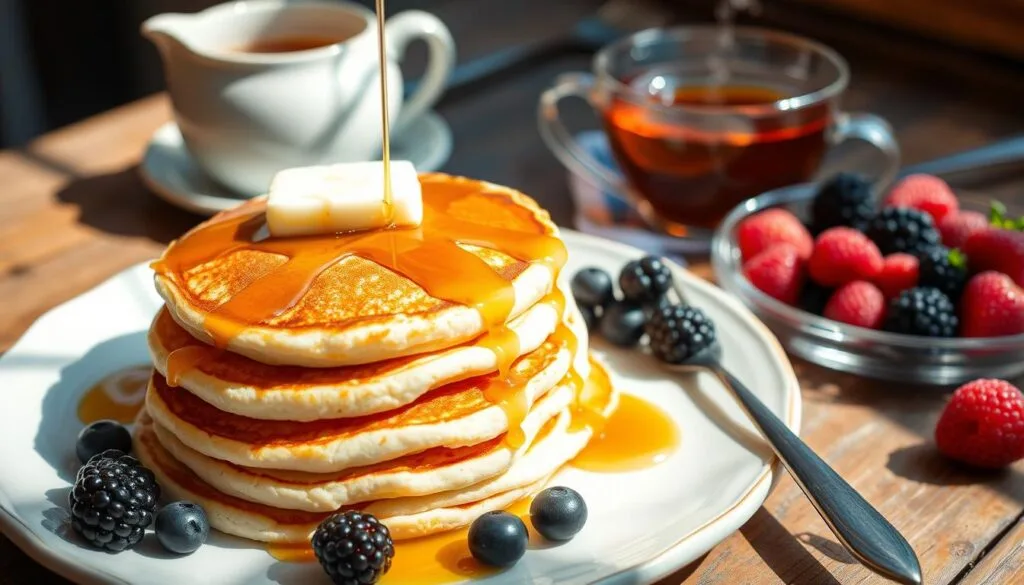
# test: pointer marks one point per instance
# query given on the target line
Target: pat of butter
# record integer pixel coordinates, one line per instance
(342, 198)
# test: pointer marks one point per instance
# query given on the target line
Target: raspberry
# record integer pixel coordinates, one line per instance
(842, 255)
(983, 424)
(903, 229)
(991, 306)
(759, 232)
(778, 272)
(899, 272)
(858, 303)
(956, 228)
(353, 548)
(928, 193)
(945, 270)
(999, 250)
(845, 200)
(922, 311)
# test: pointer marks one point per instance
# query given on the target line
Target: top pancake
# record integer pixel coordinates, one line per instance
(354, 309)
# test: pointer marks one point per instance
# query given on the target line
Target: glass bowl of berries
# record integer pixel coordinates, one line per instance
(915, 286)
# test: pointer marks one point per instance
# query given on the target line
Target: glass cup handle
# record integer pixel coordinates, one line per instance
(564, 146)
(876, 131)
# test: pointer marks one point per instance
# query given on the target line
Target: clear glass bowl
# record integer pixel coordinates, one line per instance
(834, 345)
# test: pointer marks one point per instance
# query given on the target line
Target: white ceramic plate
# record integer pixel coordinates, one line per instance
(642, 526)
(168, 169)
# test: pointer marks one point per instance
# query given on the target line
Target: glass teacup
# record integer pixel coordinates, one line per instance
(701, 118)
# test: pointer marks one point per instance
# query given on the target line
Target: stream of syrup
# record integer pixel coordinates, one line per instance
(382, 57)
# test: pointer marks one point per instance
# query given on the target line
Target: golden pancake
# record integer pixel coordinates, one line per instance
(483, 255)
(236, 384)
(440, 469)
(457, 414)
(242, 518)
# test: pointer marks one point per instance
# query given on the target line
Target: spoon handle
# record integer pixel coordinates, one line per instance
(864, 532)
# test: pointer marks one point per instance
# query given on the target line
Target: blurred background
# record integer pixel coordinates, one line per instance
(64, 60)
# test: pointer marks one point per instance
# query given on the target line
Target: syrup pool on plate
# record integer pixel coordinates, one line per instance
(118, 396)
(636, 436)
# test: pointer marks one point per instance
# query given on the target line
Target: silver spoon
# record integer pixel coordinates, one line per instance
(857, 525)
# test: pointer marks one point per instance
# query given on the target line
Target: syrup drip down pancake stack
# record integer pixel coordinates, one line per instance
(425, 375)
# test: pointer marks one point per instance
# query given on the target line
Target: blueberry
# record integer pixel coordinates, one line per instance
(592, 287)
(101, 436)
(590, 318)
(182, 527)
(645, 280)
(558, 513)
(623, 324)
(498, 539)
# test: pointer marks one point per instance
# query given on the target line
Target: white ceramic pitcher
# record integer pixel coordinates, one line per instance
(244, 115)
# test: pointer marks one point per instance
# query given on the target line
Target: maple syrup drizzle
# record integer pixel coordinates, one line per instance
(118, 396)
(510, 395)
(565, 334)
(185, 359)
(428, 255)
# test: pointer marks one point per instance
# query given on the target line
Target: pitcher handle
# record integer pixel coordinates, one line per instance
(877, 132)
(416, 24)
(564, 146)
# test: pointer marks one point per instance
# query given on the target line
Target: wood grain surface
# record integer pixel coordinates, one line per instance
(74, 212)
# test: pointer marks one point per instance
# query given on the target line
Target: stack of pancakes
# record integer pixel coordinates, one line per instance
(275, 405)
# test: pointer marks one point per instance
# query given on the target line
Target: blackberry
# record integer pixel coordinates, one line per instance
(677, 332)
(903, 229)
(113, 501)
(922, 311)
(844, 200)
(945, 270)
(645, 280)
(814, 297)
(353, 548)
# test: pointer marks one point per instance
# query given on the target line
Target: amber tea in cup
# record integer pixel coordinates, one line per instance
(695, 177)
(697, 125)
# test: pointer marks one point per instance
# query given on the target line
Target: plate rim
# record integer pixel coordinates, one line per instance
(658, 566)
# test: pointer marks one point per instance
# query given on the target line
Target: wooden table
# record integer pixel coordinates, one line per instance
(73, 212)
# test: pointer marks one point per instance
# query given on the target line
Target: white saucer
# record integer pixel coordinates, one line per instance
(169, 171)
